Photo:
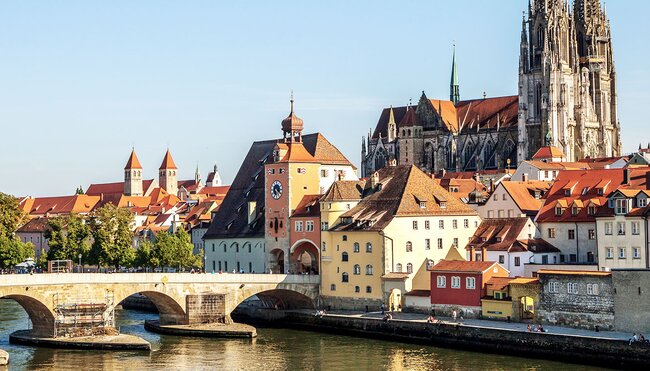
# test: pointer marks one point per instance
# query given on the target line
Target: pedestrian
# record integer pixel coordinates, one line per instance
(530, 329)
(383, 309)
(392, 307)
(399, 307)
(454, 314)
(634, 338)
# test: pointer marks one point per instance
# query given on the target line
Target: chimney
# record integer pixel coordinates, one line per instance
(340, 175)
(524, 177)
(374, 180)
(626, 176)
(477, 177)
(483, 253)
(252, 211)
(492, 185)
(443, 172)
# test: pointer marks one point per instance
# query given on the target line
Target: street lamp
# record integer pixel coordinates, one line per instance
(80, 270)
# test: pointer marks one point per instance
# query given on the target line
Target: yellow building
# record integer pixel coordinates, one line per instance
(380, 235)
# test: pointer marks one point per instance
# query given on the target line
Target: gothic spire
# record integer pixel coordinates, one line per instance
(454, 89)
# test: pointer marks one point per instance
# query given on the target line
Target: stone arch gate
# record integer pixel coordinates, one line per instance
(181, 298)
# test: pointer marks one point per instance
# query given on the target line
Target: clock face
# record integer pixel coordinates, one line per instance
(276, 189)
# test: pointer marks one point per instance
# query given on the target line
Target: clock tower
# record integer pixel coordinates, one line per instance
(291, 172)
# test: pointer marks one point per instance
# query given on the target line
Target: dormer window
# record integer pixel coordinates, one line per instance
(483, 239)
(643, 202)
(538, 195)
(621, 206)
(567, 192)
(498, 239)
(423, 205)
(601, 191)
(575, 210)
(591, 210)
(558, 210)
(443, 204)
(585, 190)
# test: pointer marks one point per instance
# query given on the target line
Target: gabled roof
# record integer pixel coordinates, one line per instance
(80, 204)
(133, 162)
(345, 190)
(463, 266)
(548, 152)
(409, 119)
(114, 188)
(500, 234)
(295, 152)
(168, 162)
(36, 225)
(308, 207)
(523, 194)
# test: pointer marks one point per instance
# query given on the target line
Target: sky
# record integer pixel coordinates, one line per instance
(82, 82)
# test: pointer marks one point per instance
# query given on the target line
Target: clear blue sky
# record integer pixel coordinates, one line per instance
(83, 81)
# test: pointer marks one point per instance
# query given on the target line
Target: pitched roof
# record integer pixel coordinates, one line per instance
(36, 225)
(524, 194)
(548, 152)
(344, 190)
(461, 188)
(463, 266)
(499, 283)
(538, 246)
(133, 162)
(500, 234)
(113, 188)
(402, 191)
(308, 207)
(80, 204)
(409, 119)
(168, 162)
(295, 152)
(231, 219)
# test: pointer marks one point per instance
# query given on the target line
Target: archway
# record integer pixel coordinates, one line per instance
(269, 305)
(304, 258)
(169, 310)
(527, 308)
(39, 314)
(277, 261)
(395, 300)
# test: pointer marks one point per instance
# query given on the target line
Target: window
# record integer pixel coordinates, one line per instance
(621, 252)
(574, 210)
(544, 259)
(298, 226)
(572, 234)
(442, 282)
(368, 289)
(357, 289)
(620, 228)
(345, 277)
(490, 214)
(591, 210)
(324, 246)
(427, 224)
(345, 238)
(608, 228)
(369, 270)
(470, 283)
(443, 204)
(592, 234)
(415, 225)
(635, 253)
(427, 244)
(368, 247)
(610, 253)
(423, 205)
(357, 270)
(496, 197)
(441, 224)
(455, 241)
(440, 243)
(356, 247)
(454, 224)
(517, 261)
(643, 202)
(635, 228)
(409, 246)
(510, 213)
(309, 226)
(398, 267)
(553, 287)
(504, 197)
(324, 226)
(455, 282)
(621, 206)
(324, 173)
(465, 223)
(558, 211)
(551, 233)
(344, 257)
(409, 268)
(572, 288)
(332, 287)
(592, 289)
(502, 259)
(500, 213)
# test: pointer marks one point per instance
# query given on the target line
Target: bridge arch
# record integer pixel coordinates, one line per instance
(304, 257)
(39, 313)
(283, 299)
(170, 309)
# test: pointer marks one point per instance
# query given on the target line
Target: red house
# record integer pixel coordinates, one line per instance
(460, 285)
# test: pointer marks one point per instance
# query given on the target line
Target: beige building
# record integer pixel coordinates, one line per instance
(380, 235)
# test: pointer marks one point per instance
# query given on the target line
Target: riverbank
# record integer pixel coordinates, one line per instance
(104, 342)
(601, 349)
(208, 330)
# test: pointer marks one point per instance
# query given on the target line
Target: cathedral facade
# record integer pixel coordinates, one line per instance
(566, 98)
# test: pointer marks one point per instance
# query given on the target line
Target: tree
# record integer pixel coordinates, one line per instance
(11, 216)
(143, 255)
(112, 237)
(184, 250)
(79, 191)
(171, 250)
(68, 237)
(13, 251)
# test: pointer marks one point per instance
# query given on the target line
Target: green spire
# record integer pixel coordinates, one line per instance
(454, 89)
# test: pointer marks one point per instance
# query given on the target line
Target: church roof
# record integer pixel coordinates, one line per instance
(133, 162)
(168, 162)
(113, 188)
(409, 119)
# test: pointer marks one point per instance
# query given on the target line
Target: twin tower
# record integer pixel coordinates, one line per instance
(133, 184)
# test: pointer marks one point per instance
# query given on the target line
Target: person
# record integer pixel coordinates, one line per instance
(392, 307)
(454, 314)
(383, 309)
(399, 307)
(540, 328)
(634, 338)
(431, 319)
(642, 338)
(234, 271)
(530, 329)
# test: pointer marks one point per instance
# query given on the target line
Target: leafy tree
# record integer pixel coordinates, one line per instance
(79, 191)
(13, 251)
(112, 237)
(184, 250)
(68, 237)
(11, 216)
(143, 255)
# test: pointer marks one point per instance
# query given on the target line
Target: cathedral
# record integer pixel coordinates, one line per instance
(566, 98)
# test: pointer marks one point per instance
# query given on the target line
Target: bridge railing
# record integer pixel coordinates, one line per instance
(81, 278)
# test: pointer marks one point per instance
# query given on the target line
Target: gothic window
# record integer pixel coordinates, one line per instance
(489, 158)
(510, 153)
(538, 100)
(470, 160)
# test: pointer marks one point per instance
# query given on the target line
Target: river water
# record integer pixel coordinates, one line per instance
(273, 349)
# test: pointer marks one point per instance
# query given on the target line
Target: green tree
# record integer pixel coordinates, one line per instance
(11, 216)
(184, 250)
(13, 251)
(112, 237)
(143, 256)
(68, 237)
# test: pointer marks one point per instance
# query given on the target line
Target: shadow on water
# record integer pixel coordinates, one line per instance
(273, 349)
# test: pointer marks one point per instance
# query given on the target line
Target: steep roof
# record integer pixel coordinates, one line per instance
(500, 234)
(113, 188)
(80, 204)
(461, 188)
(403, 191)
(308, 207)
(463, 266)
(36, 225)
(344, 190)
(231, 219)
(524, 194)
(168, 162)
(133, 162)
(548, 152)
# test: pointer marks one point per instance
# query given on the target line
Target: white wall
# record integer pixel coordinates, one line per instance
(582, 244)
(251, 256)
(332, 170)
(496, 203)
(629, 241)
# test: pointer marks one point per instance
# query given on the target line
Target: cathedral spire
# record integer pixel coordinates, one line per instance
(454, 89)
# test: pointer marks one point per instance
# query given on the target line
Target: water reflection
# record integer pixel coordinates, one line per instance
(274, 349)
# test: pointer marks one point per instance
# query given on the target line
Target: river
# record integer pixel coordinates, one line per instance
(273, 349)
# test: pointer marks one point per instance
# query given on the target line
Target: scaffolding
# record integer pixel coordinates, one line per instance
(81, 316)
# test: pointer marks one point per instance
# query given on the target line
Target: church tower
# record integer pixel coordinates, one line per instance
(567, 89)
(133, 176)
(167, 175)
(454, 88)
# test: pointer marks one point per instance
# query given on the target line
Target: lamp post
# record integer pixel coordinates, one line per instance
(80, 269)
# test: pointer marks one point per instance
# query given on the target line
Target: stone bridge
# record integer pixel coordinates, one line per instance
(181, 298)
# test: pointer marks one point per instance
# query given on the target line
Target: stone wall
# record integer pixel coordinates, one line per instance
(206, 308)
(343, 303)
(447, 310)
(632, 300)
(581, 310)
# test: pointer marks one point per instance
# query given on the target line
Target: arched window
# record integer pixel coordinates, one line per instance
(470, 160)
(398, 267)
(356, 247)
(368, 247)
(368, 289)
(345, 277)
(489, 157)
(510, 153)
(409, 131)
(357, 289)
(369, 270)
(357, 269)
(332, 287)
(409, 246)
(344, 256)
(409, 268)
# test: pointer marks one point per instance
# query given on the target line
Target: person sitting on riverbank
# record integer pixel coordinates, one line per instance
(642, 339)
(540, 328)
(320, 313)
(530, 329)
(432, 319)
(388, 317)
(634, 338)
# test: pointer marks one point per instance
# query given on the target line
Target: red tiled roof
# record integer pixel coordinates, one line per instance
(462, 266)
(548, 152)
(168, 162)
(81, 204)
(36, 225)
(523, 194)
(113, 188)
(133, 162)
(308, 207)
(499, 283)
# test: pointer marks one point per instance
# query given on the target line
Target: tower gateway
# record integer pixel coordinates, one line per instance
(567, 81)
